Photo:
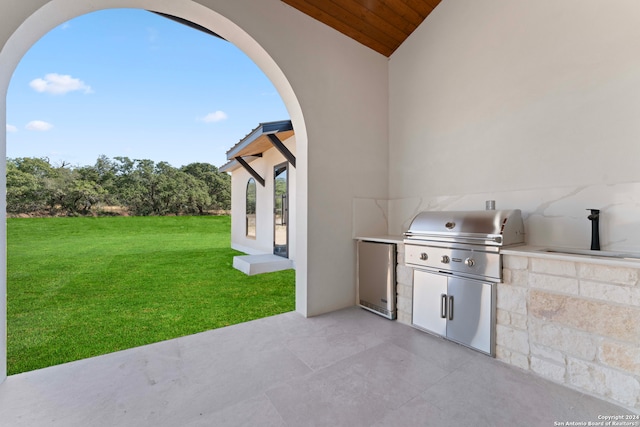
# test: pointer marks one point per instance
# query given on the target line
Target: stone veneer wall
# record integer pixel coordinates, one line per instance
(404, 288)
(574, 323)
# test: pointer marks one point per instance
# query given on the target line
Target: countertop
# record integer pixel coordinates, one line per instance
(381, 239)
(564, 254)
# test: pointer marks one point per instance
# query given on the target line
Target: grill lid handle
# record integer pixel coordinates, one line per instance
(451, 238)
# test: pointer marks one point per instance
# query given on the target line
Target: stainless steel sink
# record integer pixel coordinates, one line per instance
(603, 254)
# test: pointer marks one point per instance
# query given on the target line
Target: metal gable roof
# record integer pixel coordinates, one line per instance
(257, 142)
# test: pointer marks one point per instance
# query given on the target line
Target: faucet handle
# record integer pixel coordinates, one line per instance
(594, 217)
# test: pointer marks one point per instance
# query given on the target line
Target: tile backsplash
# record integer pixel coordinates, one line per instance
(555, 217)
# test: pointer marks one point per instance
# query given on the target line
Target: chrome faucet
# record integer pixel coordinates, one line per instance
(595, 229)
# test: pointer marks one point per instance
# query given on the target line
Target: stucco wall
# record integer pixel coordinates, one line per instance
(533, 104)
(263, 242)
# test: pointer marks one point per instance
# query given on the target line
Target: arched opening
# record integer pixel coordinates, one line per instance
(250, 208)
(56, 12)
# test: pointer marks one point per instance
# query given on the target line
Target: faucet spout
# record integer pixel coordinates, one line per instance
(595, 229)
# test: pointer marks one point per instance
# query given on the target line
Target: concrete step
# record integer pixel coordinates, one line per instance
(257, 264)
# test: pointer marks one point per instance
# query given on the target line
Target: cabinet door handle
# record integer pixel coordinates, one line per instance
(451, 308)
(443, 306)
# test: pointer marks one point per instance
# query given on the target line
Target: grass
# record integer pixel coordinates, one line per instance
(81, 287)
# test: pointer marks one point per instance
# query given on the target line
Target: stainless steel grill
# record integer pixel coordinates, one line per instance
(457, 263)
(494, 228)
(463, 242)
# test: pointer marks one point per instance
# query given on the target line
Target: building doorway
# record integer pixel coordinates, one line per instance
(281, 210)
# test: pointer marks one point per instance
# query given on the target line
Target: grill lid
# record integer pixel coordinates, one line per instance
(489, 227)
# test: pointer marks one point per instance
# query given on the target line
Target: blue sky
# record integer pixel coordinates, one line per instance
(127, 82)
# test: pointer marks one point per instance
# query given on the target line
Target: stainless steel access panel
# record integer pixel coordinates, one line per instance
(460, 309)
(377, 278)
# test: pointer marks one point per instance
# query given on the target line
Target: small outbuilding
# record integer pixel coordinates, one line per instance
(263, 180)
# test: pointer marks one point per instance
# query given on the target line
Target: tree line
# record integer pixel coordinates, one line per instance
(142, 187)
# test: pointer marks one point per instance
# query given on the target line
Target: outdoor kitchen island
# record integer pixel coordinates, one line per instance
(570, 319)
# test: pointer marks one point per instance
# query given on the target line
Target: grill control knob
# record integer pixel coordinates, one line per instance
(444, 259)
(424, 256)
(469, 262)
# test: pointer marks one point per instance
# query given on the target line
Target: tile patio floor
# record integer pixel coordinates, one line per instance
(347, 368)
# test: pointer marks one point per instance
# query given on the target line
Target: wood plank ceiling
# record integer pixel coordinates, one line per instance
(381, 25)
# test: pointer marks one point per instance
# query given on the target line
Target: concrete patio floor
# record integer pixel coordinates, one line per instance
(347, 368)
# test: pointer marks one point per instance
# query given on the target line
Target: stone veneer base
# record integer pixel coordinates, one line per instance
(571, 322)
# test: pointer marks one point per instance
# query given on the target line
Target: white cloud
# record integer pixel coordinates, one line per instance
(152, 35)
(216, 116)
(38, 125)
(59, 84)
(12, 128)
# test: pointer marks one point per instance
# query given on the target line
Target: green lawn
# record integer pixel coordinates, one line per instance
(81, 287)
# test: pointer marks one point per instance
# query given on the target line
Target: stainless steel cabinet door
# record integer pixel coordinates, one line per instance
(469, 305)
(429, 297)
(376, 277)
